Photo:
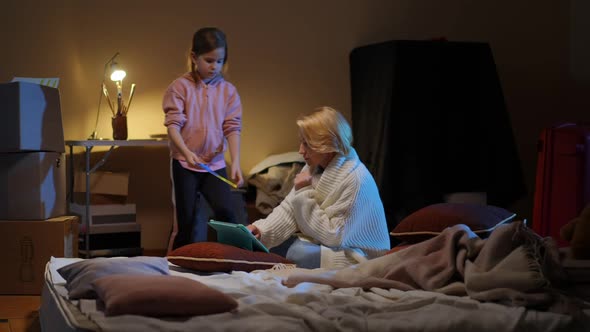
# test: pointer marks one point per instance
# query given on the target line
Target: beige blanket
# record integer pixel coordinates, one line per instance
(513, 266)
(274, 185)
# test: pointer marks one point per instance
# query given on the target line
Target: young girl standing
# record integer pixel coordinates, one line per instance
(202, 112)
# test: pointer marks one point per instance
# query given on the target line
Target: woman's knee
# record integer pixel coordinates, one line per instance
(304, 254)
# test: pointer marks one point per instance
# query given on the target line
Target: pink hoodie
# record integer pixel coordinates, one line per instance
(206, 114)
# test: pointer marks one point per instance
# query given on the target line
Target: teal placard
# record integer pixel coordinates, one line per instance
(236, 235)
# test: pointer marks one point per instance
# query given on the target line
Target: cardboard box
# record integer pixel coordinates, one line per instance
(110, 183)
(105, 214)
(27, 246)
(105, 187)
(31, 118)
(33, 185)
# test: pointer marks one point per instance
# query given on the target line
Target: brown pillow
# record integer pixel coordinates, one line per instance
(218, 257)
(431, 220)
(159, 296)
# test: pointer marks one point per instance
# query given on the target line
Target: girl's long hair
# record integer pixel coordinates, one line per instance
(206, 40)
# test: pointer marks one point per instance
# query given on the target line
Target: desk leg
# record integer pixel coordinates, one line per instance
(87, 201)
(71, 172)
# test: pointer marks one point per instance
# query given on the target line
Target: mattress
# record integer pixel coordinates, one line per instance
(265, 304)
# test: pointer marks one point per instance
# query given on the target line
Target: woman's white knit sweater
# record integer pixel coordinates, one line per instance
(342, 211)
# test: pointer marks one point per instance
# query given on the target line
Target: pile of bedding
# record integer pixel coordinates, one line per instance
(455, 281)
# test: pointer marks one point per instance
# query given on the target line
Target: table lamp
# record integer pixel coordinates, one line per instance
(117, 76)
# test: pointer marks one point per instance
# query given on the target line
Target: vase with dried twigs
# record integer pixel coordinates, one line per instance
(119, 119)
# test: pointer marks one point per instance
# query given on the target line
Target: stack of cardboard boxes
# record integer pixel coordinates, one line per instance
(33, 221)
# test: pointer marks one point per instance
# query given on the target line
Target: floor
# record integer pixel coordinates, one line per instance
(19, 313)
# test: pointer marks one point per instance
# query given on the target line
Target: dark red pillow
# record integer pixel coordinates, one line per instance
(159, 296)
(431, 220)
(218, 257)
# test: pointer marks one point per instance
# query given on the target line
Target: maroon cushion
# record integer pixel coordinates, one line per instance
(431, 220)
(218, 257)
(159, 296)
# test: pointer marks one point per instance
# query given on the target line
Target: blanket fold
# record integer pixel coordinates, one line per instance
(514, 266)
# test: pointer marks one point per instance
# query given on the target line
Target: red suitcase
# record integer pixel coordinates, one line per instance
(562, 187)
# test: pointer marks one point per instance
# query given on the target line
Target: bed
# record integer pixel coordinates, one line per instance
(293, 299)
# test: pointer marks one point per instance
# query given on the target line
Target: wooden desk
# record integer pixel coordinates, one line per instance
(88, 145)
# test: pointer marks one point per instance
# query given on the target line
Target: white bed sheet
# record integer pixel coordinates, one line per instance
(266, 305)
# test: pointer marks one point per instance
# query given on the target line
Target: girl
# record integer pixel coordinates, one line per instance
(202, 112)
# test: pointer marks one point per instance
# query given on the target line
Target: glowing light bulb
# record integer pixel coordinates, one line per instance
(118, 75)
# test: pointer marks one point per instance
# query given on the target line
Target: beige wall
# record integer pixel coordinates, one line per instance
(286, 57)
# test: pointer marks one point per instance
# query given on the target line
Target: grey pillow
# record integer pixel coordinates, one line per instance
(80, 276)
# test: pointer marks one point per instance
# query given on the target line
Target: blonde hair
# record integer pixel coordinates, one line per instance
(326, 130)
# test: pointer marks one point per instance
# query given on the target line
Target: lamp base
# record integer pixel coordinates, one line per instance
(93, 137)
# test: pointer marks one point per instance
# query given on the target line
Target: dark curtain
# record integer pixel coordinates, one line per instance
(428, 119)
